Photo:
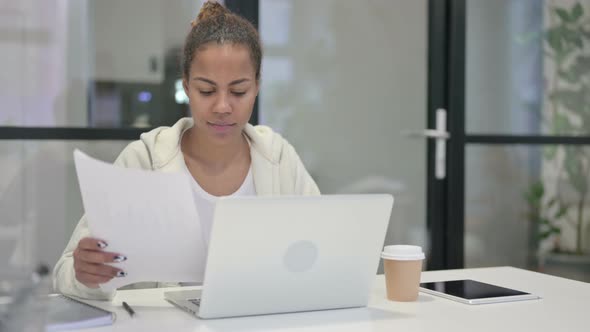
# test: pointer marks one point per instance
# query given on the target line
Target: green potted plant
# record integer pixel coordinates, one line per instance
(558, 203)
(543, 215)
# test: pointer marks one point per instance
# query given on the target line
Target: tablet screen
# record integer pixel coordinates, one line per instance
(470, 289)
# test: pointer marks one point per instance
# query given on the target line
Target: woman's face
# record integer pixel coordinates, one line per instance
(221, 88)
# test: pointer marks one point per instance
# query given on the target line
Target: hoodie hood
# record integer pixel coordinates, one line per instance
(163, 143)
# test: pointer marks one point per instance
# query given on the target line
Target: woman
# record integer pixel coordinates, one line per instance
(223, 153)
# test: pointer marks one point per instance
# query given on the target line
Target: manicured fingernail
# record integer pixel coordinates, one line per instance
(121, 274)
(119, 258)
(101, 244)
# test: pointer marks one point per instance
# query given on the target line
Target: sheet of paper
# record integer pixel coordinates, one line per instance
(150, 217)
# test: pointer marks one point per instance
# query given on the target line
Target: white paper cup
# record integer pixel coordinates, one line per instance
(402, 265)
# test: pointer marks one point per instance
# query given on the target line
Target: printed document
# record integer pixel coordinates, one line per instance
(150, 217)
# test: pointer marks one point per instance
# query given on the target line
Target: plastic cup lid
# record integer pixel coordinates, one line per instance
(403, 253)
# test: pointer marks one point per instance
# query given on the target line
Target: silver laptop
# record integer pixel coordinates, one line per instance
(288, 254)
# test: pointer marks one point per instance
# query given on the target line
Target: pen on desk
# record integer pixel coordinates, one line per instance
(128, 309)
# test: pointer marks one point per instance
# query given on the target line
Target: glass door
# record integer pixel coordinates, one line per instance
(346, 82)
(520, 89)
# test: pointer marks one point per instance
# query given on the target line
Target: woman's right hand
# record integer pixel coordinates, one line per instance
(89, 263)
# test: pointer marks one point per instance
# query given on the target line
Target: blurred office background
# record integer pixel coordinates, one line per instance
(344, 82)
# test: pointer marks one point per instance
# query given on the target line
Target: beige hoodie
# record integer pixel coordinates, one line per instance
(276, 168)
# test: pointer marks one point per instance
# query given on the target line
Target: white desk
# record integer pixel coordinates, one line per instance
(564, 306)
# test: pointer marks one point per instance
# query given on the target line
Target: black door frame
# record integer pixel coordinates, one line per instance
(445, 211)
(249, 9)
(437, 207)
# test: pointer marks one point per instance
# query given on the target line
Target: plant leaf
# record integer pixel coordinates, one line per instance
(563, 15)
(538, 190)
(561, 124)
(543, 235)
(578, 41)
(577, 12)
(574, 100)
(554, 40)
(571, 76)
(561, 212)
(572, 36)
(574, 170)
(534, 194)
(580, 67)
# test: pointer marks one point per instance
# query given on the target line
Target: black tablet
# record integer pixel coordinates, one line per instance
(474, 292)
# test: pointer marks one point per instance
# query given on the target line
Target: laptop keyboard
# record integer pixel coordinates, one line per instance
(195, 301)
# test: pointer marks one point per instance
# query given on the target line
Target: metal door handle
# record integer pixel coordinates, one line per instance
(428, 133)
(441, 135)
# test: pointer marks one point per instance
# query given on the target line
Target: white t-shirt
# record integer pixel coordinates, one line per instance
(205, 202)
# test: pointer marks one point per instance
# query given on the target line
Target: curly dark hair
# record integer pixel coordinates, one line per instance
(217, 24)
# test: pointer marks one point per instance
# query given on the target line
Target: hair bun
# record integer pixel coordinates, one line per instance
(209, 10)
